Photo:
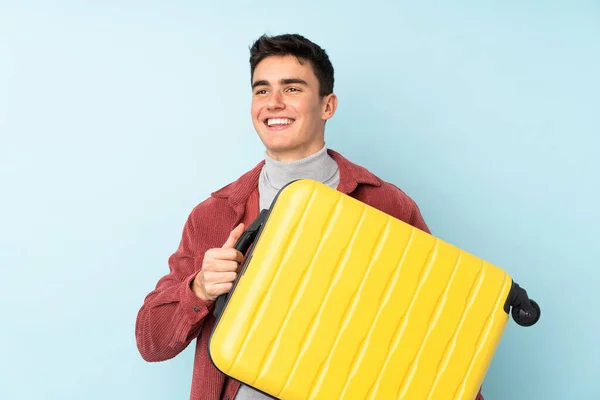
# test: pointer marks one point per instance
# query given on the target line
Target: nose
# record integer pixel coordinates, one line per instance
(275, 101)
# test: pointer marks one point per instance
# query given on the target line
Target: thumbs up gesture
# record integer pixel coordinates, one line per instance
(219, 268)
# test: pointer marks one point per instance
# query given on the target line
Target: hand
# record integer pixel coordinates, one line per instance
(219, 268)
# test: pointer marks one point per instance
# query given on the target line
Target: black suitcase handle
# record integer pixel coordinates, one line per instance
(242, 245)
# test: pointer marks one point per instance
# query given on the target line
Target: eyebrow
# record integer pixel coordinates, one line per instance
(286, 81)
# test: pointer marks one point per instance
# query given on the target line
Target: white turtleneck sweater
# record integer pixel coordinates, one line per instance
(275, 175)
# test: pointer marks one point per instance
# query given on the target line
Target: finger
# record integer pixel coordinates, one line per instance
(234, 236)
(225, 277)
(220, 258)
(228, 254)
(219, 289)
(223, 266)
(212, 278)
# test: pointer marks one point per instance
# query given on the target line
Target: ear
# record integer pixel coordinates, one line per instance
(329, 105)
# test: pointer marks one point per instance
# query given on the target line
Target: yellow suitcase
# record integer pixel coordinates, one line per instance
(338, 300)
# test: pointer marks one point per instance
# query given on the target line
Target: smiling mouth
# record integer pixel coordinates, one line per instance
(278, 122)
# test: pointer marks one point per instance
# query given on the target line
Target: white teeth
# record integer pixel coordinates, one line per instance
(279, 121)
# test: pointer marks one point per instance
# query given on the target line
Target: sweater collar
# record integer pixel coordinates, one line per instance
(351, 175)
(318, 166)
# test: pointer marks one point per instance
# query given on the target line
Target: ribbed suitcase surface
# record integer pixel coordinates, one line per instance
(341, 301)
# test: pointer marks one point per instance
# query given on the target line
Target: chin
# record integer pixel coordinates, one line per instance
(280, 147)
(278, 139)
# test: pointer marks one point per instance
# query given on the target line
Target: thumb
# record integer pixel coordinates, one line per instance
(234, 236)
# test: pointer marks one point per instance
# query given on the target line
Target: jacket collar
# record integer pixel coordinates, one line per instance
(351, 175)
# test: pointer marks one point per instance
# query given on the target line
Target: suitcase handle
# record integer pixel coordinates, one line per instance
(242, 245)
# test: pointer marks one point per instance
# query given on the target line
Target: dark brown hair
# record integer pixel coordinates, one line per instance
(300, 47)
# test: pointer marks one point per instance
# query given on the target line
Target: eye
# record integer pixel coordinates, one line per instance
(261, 91)
(293, 89)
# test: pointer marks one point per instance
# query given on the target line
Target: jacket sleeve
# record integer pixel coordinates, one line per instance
(171, 316)
(416, 218)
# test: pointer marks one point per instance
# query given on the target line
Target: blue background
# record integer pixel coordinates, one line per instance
(116, 118)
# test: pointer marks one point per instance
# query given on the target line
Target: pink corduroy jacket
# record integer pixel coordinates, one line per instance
(171, 316)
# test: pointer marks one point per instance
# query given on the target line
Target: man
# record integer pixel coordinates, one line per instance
(292, 98)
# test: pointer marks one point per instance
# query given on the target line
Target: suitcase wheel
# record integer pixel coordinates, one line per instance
(526, 316)
(525, 311)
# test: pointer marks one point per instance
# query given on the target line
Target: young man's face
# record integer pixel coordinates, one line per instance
(287, 111)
